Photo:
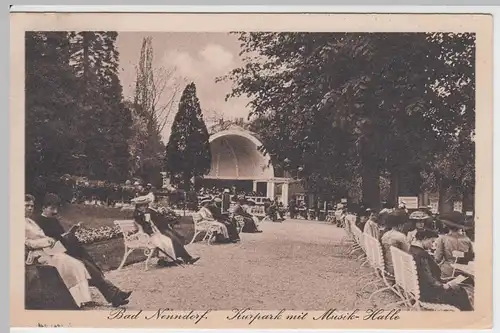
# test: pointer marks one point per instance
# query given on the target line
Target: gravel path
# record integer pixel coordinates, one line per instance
(294, 265)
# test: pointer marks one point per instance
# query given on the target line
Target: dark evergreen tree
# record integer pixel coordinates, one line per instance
(188, 151)
(53, 110)
(94, 60)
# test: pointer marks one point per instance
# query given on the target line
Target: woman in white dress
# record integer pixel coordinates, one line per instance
(49, 252)
(207, 216)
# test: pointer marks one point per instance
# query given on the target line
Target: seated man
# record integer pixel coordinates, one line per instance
(215, 208)
(52, 228)
(154, 221)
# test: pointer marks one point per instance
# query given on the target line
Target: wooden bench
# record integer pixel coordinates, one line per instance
(134, 239)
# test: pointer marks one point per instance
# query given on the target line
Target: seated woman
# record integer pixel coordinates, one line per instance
(451, 242)
(207, 216)
(249, 224)
(172, 251)
(395, 222)
(420, 220)
(48, 251)
(432, 288)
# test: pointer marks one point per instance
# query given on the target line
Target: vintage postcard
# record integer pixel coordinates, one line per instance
(187, 170)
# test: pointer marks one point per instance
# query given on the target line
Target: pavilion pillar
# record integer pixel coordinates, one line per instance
(270, 189)
(284, 194)
(254, 186)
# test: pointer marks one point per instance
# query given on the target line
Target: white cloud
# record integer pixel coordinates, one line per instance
(211, 61)
(184, 63)
(216, 57)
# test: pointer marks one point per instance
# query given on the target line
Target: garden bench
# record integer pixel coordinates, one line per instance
(201, 226)
(406, 275)
(135, 239)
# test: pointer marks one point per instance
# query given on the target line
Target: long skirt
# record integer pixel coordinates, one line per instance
(249, 226)
(231, 228)
(221, 228)
(165, 245)
(177, 242)
(455, 297)
(74, 274)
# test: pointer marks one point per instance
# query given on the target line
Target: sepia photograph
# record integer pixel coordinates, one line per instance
(328, 174)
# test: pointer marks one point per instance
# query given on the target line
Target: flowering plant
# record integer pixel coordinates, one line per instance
(92, 235)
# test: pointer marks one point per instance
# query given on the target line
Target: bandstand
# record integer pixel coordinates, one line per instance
(237, 161)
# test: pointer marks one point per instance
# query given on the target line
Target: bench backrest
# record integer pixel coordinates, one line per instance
(405, 272)
(127, 227)
(358, 235)
(197, 217)
(374, 252)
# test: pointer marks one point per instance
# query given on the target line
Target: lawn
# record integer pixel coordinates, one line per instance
(108, 254)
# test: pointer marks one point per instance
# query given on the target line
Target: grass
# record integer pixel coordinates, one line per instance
(108, 254)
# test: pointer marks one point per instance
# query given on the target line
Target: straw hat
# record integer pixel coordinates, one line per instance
(419, 215)
(142, 200)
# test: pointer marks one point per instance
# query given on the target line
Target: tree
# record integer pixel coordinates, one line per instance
(376, 91)
(53, 110)
(188, 151)
(107, 121)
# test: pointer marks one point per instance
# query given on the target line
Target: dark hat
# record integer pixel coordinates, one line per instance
(454, 219)
(426, 234)
(396, 218)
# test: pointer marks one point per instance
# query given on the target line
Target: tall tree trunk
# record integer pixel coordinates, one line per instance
(445, 197)
(370, 173)
(394, 189)
(86, 63)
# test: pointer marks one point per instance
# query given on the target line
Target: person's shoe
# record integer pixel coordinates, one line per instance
(258, 231)
(119, 302)
(125, 294)
(192, 260)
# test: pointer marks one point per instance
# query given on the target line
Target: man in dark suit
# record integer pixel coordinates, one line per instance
(216, 210)
(144, 215)
(51, 226)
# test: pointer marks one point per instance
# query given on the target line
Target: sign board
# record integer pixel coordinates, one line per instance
(411, 202)
(165, 180)
(343, 200)
(457, 206)
(469, 213)
(434, 203)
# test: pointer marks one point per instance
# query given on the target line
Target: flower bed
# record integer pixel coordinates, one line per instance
(93, 235)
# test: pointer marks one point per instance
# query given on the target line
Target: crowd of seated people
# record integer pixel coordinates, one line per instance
(215, 192)
(433, 241)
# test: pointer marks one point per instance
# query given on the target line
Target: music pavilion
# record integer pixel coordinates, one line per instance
(236, 161)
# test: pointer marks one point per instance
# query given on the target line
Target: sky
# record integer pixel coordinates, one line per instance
(196, 57)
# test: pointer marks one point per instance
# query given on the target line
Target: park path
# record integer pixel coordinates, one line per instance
(293, 265)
